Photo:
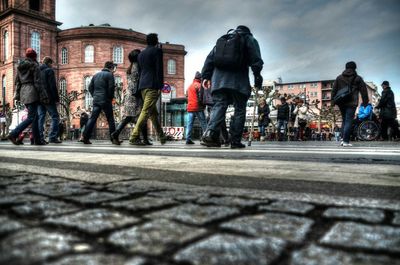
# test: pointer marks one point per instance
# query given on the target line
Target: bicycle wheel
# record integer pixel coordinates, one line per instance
(368, 131)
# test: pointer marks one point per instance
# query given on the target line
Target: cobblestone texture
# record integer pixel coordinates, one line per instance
(45, 208)
(21, 198)
(368, 215)
(230, 201)
(144, 203)
(64, 189)
(95, 197)
(354, 235)
(90, 259)
(129, 187)
(154, 237)
(94, 221)
(178, 195)
(8, 225)
(283, 226)
(289, 207)
(396, 218)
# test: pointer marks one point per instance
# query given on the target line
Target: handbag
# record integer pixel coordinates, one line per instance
(344, 94)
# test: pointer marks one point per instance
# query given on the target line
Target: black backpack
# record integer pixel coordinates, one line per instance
(229, 51)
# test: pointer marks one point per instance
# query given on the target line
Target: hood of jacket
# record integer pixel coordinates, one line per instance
(26, 65)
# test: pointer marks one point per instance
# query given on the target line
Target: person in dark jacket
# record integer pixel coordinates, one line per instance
(28, 86)
(263, 117)
(349, 77)
(151, 81)
(283, 118)
(49, 83)
(231, 86)
(102, 88)
(388, 112)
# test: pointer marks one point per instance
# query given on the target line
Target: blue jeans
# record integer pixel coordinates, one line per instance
(347, 117)
(191, 116)
(282, 126)
(31, 119)
(55, 120)
(262, 130)
(108, 111)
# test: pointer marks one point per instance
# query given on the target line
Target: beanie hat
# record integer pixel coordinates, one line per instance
(243, 28)
(30, 53)
(197, 75)
(385, 83)
(351, 65)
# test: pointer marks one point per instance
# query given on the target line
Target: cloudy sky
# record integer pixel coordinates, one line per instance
(300, 39)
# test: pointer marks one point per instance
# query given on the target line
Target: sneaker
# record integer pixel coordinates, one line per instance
(237, 145)
(13, 139)
(136, 142)
(189, 141)
(347, 145)
(147, 142)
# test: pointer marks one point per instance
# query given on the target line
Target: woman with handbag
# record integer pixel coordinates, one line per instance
(133, 101)
(301, 118)
(29, 92)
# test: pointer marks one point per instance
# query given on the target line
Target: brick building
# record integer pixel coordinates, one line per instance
(78, 52)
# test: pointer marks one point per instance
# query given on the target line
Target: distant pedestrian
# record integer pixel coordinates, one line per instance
(61, 129)
(301, 119)
(49, 83)
(195, 107)
(151, 81)
(349, 79)
(263, 117)
(336, 131)
(226, 72)
(102, 88)
(283, 119)
(83, 119)
(133, 101)
(388, 112)
(30, 93)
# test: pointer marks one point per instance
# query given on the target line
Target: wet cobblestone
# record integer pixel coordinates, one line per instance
(289, 207)
(368, 215)
(8, 225)
(44, 208)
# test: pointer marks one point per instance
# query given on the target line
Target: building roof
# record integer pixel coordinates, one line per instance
(305, 82)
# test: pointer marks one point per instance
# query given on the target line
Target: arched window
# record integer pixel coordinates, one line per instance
(89, 54)
(34, 5)
(171, 69)
(5, 45)
(3, 88)
(64, 55)
(173, 92)
(118, 54)
(118, 80)
(5, 4)
(63, 88)
(88, 97)
(35, 43)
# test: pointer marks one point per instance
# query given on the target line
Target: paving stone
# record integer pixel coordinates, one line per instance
(94, 220)
(229, 201)
(182, 196)
(90, 259)
(47, 208)
(288, 227)
(369, 215)
(315, 255)
(232, 250)
(143, 261)
(7, 173)
(20, 188)
(129, 187)
(289, 207)
(7, 225)
(349, 234)
(34, 245)
(63, 189)
(20, 198)
(29, 179)
(144, 203)
(154, 237)
(95, 197)
(195, 214)
(396, 218)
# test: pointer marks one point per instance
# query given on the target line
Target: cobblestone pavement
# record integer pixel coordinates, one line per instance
(63, 213)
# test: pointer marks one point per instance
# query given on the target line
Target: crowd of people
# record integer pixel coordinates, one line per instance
(223, 81)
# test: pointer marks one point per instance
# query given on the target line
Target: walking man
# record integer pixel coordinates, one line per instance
(388, 112)
(195, 108)
(151, 80)
(283, 119)
(49, 84)
(226, 72)
(102, 88)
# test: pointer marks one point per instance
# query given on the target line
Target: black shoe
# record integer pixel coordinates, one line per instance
(55, 141)
(147, 142)
(237, 145)
(13, 139)
(86, 141)
(136, 142)
(115, 141)
(189, 141)
(163, 139)
(210, 139)
(40, 143)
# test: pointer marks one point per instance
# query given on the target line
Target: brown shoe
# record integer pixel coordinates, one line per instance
(13, 139)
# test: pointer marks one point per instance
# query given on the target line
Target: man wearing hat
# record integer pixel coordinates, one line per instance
(195, 108)
(388, 112)
(350, 78)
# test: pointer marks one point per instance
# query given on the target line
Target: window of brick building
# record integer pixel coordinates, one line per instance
(173, 92)
(171, 67)
(89, 54)
(4, 4)
(3, 88)
(34, 5)
(88, 97)
(63, 95)
(35, 43)
(5, 45)
(64, 56)
(118, 54)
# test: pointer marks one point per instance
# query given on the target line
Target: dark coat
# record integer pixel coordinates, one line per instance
(387, 105)
(102, 87)
(263, 115)
(28, 83)
(283, 112)
(151, 70)
(49, 83)
(358, 87)
(237, 80)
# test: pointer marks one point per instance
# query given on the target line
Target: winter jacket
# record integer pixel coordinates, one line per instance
(300, 114)
(283, 112)
(263, 115)
(387, 105)
(49, 83)
(358, 86)
(28, 83)
(151, 72)
(237, 80)
(102, 87)
(193, 93)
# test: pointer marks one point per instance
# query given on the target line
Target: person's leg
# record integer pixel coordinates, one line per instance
(343, 114)
(202, 118)
(92, 122)
(239, 103)
(42, 110)
(108, 111)
(189, 127)
(348, 117)
(24, 124)
(217, 117)
(122, 125)
(55, 120)
(35, 126)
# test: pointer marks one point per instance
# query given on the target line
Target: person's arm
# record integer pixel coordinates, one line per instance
(254, 60)
(160, 67)
(334, 90)
(208, 69)
(364, 92)
(53, 85)
(91, 86)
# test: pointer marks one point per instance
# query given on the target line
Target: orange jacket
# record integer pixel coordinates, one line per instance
(193, 100)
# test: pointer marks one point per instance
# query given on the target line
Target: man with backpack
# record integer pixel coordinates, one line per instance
(226, 72)
(345, 93)
(195, 107)
(388, 112)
